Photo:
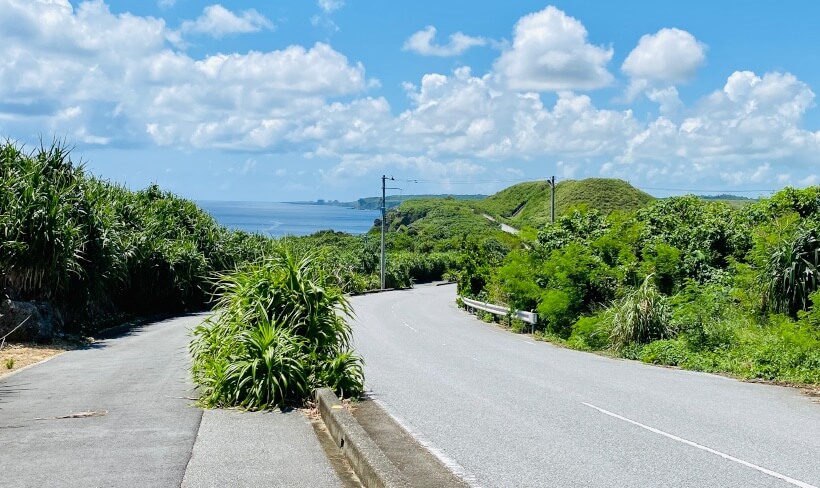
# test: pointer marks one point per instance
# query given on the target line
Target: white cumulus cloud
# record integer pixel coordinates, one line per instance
(330, 6)
(668, 57)
(423, 42)
(217, 21)
(113, 79)
(550, 52)
(753, 120)
(117, 77)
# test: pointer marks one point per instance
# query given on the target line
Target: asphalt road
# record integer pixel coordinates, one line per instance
(137, 427)
(144, 428)
(505, 411)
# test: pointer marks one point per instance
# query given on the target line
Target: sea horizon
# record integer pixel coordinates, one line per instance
(279, 219)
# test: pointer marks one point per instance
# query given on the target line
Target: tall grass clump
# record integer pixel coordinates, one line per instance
(96, 250)
(793, 272)
(279, 331)
(42, 237)
(641, 316)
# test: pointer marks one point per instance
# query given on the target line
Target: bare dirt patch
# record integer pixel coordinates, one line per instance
(16, 356)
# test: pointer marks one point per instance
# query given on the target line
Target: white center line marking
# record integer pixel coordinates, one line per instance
(704, 448)
(409, 327)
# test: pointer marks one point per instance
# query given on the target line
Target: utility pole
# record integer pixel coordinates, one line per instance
(552, 204)
(384, 215)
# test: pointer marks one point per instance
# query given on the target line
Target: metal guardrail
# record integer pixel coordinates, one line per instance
(528, 317)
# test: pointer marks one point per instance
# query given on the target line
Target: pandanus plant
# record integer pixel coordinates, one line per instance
(279, 330)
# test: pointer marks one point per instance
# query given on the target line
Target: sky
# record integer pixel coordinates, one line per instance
(305, 100)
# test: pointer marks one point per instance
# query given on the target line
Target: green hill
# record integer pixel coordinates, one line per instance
(529, 203)
(437, 224)
(392, 201)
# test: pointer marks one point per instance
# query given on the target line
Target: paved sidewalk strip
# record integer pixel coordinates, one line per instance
(272, 449)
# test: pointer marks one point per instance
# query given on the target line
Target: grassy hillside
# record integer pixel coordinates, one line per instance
(392, 201)
(438, 224)
(529, 203)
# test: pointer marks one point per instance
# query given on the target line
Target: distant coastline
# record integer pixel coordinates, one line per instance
(374, 203)
(278, 219)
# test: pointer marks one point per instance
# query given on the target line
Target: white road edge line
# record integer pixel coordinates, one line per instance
(409, 326)
(448, 462)
(704, 448)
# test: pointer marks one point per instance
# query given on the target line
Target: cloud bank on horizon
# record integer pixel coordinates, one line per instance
(308, 112)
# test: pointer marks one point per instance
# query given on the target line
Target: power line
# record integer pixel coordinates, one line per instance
(475, 182)
(546, 179)
(705, 191)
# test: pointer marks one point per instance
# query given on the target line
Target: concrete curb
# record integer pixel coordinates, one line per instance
(367, 460)
(371, 292)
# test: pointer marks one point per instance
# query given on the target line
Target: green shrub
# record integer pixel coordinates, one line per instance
(267, 369)
(278, 332)
(557, 309)
(792, 272)
(518, 326)
(667, 352)
(631, 351)
(707, 233)
(640, 316)
(591, 333)
(517, 281)
(664, 263)
(576, 282)
(706, 315)
(485, 316)
(804, 202)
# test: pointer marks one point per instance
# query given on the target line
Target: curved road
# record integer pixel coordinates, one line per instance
(505, 411)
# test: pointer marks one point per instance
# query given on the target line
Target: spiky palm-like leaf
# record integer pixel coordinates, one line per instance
(641, 316)
(793, 272)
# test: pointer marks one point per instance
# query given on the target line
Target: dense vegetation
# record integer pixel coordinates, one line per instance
(96, 249)
(682, 281)
(281, 332)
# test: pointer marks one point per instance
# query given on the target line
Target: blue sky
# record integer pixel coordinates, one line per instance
(281, 101)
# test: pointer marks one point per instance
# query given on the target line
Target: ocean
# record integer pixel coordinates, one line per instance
(281, 219)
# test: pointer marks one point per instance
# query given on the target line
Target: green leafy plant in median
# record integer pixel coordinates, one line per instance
(278, 332)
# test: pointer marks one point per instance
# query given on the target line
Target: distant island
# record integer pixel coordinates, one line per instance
(725, 196)
(374, 203)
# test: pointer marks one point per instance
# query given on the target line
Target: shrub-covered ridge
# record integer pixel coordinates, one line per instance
(682, 282)
(94, 248)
